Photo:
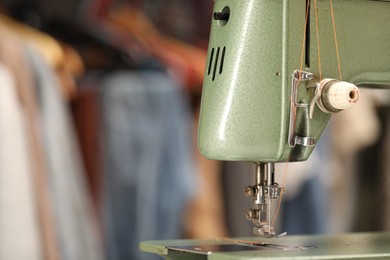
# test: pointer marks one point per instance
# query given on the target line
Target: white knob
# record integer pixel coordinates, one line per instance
(336, 95)
(342, 95)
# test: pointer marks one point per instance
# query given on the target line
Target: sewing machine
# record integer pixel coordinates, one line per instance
(276, 70)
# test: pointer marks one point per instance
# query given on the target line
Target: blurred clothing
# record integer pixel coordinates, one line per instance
(86, 110)
(75, 223)
(13, 57)
(149, 173)
(45, 209)
(18, 214)
(306, 213)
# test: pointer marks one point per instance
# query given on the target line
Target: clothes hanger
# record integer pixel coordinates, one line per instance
(80, 25)
(47, 46)
(185, 61)
(50, 49)
(108, 39)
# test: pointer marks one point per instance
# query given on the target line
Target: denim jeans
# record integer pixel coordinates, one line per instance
(149, 171)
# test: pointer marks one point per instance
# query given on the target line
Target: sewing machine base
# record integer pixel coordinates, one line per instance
(345, 246)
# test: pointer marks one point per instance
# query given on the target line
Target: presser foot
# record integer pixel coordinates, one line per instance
(267, 232)
(264, 231)
(263, 193)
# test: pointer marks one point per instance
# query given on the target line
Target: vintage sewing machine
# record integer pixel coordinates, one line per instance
(276, 71)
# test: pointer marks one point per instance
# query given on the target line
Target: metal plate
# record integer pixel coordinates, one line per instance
(341, 246)
(237, 247)
(209, 249)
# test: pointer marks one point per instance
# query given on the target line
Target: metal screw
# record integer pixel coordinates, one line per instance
(249, 214)
(252, 214)
(250, 191)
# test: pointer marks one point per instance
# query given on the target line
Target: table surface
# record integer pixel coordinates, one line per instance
(343, 246)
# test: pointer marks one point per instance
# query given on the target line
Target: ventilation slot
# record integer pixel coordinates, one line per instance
(215, 64)
(210, 62)
(214, 67)
(222, 59)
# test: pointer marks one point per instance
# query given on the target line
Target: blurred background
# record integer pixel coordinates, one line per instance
(98, 119)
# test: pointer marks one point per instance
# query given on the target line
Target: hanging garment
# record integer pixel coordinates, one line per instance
(148, 163)
(75, 224)
(87, 116)
(11, 53)
(19, 223)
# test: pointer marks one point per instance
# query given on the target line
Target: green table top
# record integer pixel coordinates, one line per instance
(344, 246)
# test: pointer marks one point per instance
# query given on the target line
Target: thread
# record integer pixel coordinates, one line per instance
(281, 194)
(318, 39)
(335, 39)
(308, 2)
(304, 38)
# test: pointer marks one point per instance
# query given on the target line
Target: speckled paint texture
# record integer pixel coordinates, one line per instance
(247, 86)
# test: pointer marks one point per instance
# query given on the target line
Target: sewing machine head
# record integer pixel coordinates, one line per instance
(275, 72)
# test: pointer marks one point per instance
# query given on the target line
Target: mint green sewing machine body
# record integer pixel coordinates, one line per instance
(258, 101)
(246, 108)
